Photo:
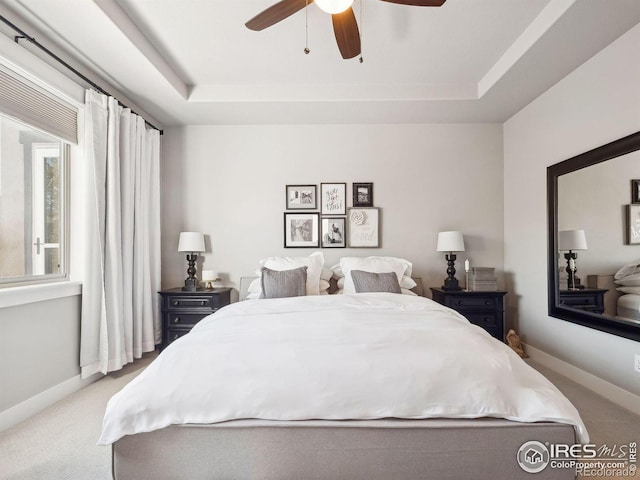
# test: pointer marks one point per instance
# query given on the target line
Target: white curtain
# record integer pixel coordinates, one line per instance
(120, 319)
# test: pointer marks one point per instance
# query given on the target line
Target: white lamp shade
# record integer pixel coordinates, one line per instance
(450, 242)
(334, 6)
(572, 240)
(191, 242)
(209, 276)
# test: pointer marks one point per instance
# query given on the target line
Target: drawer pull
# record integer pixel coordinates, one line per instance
(176, 336)
(203, 303)
(176, 319)
(176, 303)
(487, 302)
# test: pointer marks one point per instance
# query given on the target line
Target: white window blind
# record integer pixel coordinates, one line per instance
(27, 102)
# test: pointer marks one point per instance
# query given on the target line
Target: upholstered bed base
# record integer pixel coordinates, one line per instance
(372, 449)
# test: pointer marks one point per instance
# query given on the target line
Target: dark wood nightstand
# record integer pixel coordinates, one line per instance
(485, 309)
(587, 299)
(182, 310)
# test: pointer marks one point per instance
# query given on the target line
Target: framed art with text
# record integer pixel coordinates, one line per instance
(301, 197)
(301, 230)
(364, 227)
(334, 198)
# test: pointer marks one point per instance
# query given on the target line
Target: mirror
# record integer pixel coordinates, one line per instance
(589, 201)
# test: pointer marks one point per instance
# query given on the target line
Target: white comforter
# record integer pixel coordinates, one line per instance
(361, 356)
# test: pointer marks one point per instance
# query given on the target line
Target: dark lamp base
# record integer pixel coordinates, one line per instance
(451, 284)
(190, 285)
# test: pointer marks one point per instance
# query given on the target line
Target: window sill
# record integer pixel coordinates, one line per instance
(14, 296)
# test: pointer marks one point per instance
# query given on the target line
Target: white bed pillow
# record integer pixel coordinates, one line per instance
(628, 276)
(326, 274)
(313, 262)
(408, 266)
(369, 264)
(627, 271)
(632, 290)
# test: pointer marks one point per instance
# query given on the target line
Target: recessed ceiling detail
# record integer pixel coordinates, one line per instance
(195, 62)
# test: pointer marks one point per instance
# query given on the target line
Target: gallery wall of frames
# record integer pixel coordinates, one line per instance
(320, 217)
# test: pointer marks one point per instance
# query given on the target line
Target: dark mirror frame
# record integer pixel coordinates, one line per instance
(601, 154)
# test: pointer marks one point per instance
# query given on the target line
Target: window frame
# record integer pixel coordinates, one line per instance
(65, 231)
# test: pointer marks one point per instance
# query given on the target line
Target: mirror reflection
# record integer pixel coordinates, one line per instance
(596, 249)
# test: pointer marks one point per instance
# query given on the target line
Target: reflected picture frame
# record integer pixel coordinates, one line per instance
(635, 191)
(633, 224)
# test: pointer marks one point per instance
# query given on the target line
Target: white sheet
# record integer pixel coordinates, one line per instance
(629, 307)
(363, 356)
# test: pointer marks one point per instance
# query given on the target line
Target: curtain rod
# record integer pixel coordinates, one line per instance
(32, 40)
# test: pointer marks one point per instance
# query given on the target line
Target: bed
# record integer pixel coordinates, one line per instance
(627, 281)
(368, 385)
(629, 307)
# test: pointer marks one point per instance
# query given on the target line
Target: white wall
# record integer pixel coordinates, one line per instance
(229, 183)
(594, 199)
(597, 103)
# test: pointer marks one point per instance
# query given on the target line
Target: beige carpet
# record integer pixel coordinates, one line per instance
(60, 442)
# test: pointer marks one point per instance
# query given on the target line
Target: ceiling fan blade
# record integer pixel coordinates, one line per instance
(276, 13)
(345, 28)
(418, 3)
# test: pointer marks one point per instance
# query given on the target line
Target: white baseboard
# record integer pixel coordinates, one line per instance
(617, 395)
(37, 403)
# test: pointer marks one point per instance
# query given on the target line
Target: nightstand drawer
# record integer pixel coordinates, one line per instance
(473, 302)
(484, 320)
(176, 319)
(191, 301)
(484, 309)
(181, 310)
(175, 334)
(579, 301)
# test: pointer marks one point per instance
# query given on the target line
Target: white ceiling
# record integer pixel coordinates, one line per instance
(194, 61)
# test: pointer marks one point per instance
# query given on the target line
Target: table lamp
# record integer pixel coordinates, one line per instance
(192, 243)
(450, 242)
(568, 241)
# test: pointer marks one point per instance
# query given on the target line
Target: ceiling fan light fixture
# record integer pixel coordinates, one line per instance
(334, 6)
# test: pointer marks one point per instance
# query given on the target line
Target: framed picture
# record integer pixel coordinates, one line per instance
(633, 224)
(334, 198)
(302, 197)
(334, 232)
(301, 230)
(635, 191)
(364, 227)
(362, 194)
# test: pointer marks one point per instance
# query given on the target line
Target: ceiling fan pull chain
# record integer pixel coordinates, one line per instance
(306, 29)
(361, 30)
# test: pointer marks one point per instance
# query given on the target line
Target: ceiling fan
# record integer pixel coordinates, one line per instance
(345, 26)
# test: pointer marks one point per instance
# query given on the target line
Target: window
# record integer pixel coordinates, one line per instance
(33, 204)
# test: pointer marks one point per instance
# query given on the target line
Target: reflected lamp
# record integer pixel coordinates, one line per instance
(569, 241)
